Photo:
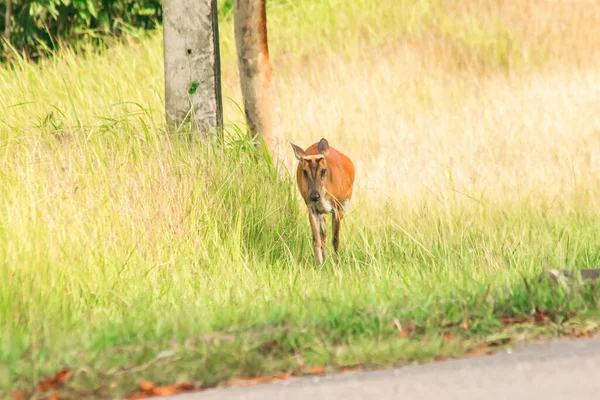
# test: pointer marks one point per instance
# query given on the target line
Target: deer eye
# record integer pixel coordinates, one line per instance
(305, 173)
(323, 172)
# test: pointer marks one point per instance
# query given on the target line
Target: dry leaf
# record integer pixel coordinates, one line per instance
(149, 390)
(541, 317)
(18, 395)
(63, 376)
(447, 338)
(284, 375)
(514, 320)
(186, 387)
(140, 395)
(265, 379)
(465, 325)
(581, 334)
(55, 381)
(251, 381)
(578, 335)
(317, 370)
(146, 386)
(164, 390)
(480, 351)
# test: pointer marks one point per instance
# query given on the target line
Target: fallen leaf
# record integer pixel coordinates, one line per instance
(251, 381)
(18, 396)
(164, 390)
(317, 370)
(476, 352)
(581, 334)
(284, 375)
(186, 387)
(146, 386)
(465, 325)
(541, 317)
(441, 358)
(447, 337)
(55, 381)
(514, 320)
(139, 395)
(63, 376)
(265, 379)
(578, 335)
(149, 390)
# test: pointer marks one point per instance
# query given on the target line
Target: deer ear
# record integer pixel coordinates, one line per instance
(323, 147)
(298, 152)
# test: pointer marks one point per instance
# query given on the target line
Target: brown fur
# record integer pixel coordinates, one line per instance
(335, 187)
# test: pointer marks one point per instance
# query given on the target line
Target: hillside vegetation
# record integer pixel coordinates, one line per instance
(475, 130)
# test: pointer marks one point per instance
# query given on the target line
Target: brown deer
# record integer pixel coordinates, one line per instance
(325, 178)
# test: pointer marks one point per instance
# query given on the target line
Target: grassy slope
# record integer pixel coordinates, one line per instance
(474, 129)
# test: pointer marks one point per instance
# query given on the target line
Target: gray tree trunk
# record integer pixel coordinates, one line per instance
(192, 64)
(261, 103)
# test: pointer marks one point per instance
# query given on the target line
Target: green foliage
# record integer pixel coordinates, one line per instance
(37, 27)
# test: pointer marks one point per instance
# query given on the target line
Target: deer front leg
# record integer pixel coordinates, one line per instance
(323, 231)
(316, 236)
(337, 224)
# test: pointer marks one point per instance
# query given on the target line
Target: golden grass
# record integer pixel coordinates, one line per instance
(418, 88)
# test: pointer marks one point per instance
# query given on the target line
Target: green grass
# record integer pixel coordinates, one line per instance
(128, 254)
(109, 282)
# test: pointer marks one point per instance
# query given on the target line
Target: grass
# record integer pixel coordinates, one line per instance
(474, 130)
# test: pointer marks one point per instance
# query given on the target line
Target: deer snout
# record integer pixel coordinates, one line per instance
(315, 196)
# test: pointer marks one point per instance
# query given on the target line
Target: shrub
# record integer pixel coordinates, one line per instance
(37, 27)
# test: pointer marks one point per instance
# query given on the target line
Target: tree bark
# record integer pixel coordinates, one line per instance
(192, 65)
(7, 20)
(261, 102)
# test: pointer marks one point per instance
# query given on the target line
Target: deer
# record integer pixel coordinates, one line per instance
(325, 179)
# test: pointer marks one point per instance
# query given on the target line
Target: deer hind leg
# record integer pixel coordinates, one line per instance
(316, 235)
(337, 224)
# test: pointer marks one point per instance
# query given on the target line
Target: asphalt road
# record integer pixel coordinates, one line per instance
(562, 369)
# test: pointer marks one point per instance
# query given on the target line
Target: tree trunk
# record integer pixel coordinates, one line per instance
(7, 20)
(192, 65)
(261, 103)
